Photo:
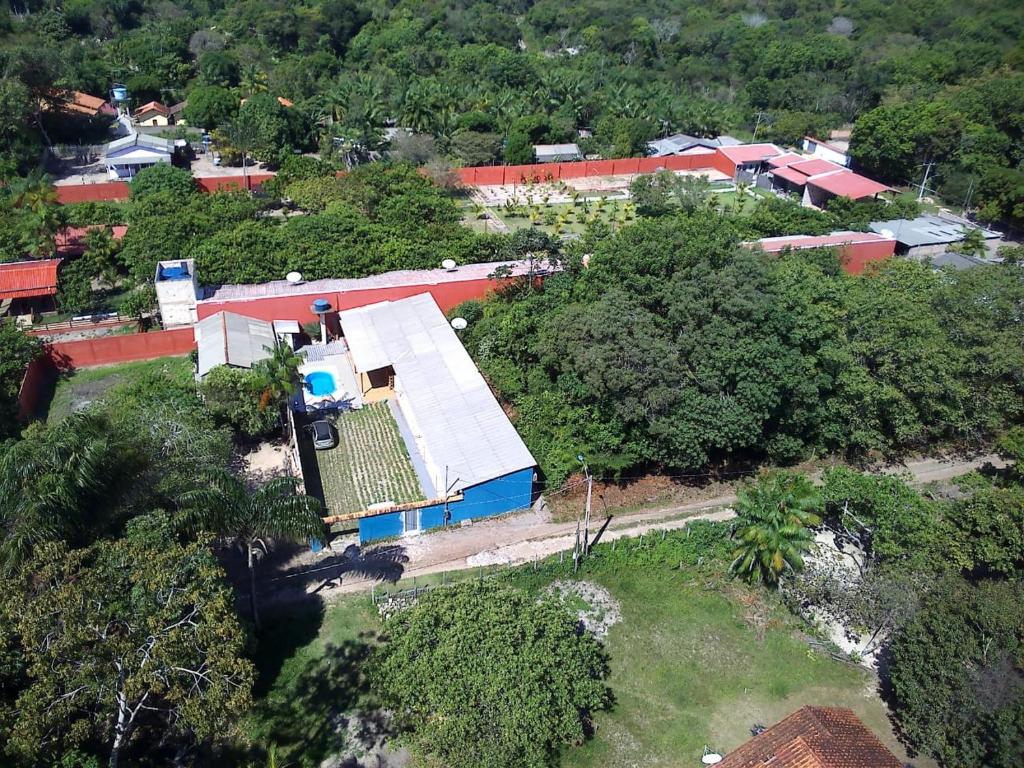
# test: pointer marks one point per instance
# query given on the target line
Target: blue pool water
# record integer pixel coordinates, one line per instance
(320, 382)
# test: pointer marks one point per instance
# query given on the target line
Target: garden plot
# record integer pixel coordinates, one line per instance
(370, 464)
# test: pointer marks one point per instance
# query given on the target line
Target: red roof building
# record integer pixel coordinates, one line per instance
(814, 737)
(856, 249)
(71, 240)
(845, 184)
(82, 103)
(749, 157)
(28, 279)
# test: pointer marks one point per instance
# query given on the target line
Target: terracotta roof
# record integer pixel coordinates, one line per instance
(814, 166)
(814, 737)
(71, 240)
(793, 177)
(83, 103)
(800, 242)
(24, 279)
(847, 184)
(750, 153)
(153, 106)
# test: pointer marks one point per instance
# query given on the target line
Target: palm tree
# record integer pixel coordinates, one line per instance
(224, 506)
(775, 516)
(279, 374)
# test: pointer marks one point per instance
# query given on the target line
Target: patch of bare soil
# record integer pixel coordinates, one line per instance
(623, 498)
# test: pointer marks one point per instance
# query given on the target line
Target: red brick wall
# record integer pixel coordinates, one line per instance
(520, 174)
(106, 350)
(219, 183)
(33, 386)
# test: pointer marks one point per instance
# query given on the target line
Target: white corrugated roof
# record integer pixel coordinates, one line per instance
(454, 418)
(230, 339)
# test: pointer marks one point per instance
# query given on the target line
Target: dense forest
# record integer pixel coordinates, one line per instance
(923, 82)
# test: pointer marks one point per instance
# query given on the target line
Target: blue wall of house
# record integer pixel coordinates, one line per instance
(502, 494)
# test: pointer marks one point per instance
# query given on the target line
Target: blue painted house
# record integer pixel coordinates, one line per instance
(460, 441)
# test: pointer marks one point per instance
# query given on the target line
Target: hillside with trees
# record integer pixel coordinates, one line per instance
(925, 82)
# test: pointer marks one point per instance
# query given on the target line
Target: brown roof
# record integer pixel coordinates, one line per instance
(814, 737)
(177, 108)
(153, 106)
(76, 101)
(23, 279)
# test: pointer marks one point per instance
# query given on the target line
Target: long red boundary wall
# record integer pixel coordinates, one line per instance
(855, 257)
(118, 190)
(296, 307)
(521, 174)
(33, 386)
(106, 350)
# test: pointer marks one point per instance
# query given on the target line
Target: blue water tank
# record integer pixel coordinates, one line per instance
(321, 305)
(120, 93)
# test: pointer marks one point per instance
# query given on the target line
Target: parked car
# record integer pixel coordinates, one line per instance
(323, 435)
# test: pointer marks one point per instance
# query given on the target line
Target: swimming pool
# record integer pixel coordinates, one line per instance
(320, 382)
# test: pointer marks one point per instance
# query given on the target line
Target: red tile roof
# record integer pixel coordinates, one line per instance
(799, 242)
(153, 106)
(83, 103)
(847, 184)
(750, 153)
(814, 166)
(814, 737)
(787, 173)
(24, 279)
(71, 240)
(786, 159)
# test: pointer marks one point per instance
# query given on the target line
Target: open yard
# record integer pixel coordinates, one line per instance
(369, 465)
(81, 387)
(696, 659)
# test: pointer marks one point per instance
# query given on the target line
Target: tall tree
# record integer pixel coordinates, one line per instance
(225, 506)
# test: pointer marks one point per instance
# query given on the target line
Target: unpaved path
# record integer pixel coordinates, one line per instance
(524, 537)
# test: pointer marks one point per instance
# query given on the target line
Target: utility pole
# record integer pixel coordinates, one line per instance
(757, 125)
(448, 492)
(924, 181)
(586, 514)
(967, 200)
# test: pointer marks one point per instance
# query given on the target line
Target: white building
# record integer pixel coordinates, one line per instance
(825, 151)
(177, 291)
(126, 157)
(556, 153)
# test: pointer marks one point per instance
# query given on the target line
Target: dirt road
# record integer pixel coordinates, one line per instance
(522, 538)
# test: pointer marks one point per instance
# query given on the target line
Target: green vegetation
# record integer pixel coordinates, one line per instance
(85, 386)
(369, 465)
(695, 659)
(17, 350)
(679, 350)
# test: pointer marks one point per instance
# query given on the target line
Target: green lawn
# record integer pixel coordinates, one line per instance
(83, 386)
(369, 465)
(697, 659)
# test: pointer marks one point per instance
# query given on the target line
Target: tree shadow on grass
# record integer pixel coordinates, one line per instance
(308, 712)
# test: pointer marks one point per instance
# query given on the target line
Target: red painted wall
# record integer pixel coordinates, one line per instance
(84, 193)
(220, 183)
(33, 385)
(520, 174)
(106, 350)
(447, 295)
(720, 162)
(856, 257)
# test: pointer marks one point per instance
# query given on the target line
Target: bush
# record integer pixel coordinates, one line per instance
(162, 177)
(232, 396)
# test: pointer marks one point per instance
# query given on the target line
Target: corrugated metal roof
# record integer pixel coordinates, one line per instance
(227, 338)
(24, 279)
(750, 153)
(816, 165)
(929, 230)
(793, 177)
(843, 183)
(451, 411)
(139, 140)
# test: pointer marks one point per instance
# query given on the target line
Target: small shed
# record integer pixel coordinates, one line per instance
(152, 113)
(231, 339)
(557, 153)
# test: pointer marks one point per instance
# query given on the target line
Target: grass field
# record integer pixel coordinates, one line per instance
(84, 386)
(697, 659)
(369, 465)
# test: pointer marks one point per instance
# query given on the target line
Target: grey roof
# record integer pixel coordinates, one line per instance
(556, 150)
(679, 142)
(928, 230)
(453, 416)
(139, 140)
(227, 338)
(955, 260)
(408, 277)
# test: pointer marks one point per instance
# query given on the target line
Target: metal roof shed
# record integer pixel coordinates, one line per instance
(454, 418)
(236, 340)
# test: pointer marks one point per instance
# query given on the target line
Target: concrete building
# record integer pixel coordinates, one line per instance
(557, 153)
(457, 432)
(125, 157)
(745, 162)
(930, 235)
(177, 292)
(825, 150)
(683, 144)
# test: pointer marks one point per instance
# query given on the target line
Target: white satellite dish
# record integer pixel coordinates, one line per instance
(711, 758)
(449, 264)
(294, 277)
(459, 323)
